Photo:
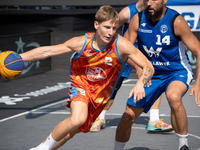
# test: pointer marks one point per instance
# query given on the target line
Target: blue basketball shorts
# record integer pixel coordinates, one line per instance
(159, 84)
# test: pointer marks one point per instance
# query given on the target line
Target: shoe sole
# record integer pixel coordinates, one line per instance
(160, 130)
(95, 131)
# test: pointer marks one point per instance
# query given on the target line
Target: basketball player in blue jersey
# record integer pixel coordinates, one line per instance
(155, 123)
(162, 35)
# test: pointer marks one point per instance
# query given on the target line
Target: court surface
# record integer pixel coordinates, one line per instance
(31, 107)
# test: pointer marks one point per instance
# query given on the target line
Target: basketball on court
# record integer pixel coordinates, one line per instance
(11, 65)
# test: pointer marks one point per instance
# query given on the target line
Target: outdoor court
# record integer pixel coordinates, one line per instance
(31, 107)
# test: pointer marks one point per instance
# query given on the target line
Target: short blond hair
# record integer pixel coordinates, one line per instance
(106, 13)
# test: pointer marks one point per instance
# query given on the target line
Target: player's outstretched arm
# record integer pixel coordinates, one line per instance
(182, 30)
(128, 50)
(73, 44)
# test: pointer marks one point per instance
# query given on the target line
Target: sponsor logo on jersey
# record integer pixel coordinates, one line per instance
(87, 55)
(145, 31)
(143, 24)
(158, 63)
(95, 74)
(88, 50)
(151, 52)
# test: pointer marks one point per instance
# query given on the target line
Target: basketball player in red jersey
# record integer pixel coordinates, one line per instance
(97, 64)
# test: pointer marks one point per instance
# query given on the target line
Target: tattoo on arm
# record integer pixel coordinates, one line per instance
(147, 73)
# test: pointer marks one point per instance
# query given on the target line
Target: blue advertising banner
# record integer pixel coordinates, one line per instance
(190, 13)
(183, 2)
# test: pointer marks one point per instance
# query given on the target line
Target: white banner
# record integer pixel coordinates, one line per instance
(191, 14)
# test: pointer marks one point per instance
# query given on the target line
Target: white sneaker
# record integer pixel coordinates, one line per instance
(40, 147)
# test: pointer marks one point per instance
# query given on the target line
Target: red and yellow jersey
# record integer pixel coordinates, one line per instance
(96, 71)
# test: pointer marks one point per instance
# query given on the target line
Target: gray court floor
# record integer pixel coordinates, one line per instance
(29, 127)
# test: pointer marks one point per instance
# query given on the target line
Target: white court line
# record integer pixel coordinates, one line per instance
(109, 114)
(24, 113)
(128, 80)
(33, 110)
(143, 128)
(128, 85)
(132, 85)
(46, 106)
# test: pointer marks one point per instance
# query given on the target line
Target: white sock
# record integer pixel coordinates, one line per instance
(154, 115)
(39, 146)
(182, 139)
(119, 145)
(48, 144)
(103, 114)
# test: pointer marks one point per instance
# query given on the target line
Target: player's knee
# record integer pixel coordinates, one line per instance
(76, 122)
(174, 101)
(128, 118)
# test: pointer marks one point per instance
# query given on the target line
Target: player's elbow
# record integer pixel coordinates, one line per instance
(39, 53)
(45, 52)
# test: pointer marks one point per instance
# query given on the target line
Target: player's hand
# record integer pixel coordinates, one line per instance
(139, 93)
(196, 91)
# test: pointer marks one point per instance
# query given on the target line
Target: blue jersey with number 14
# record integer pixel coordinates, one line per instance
(160, 45)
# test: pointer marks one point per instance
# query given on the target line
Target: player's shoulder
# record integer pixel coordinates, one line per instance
(181, 27)
(123, 43)
(76, 43)
(78, 39)
(122, 39)
(179, 21)
(81, 37)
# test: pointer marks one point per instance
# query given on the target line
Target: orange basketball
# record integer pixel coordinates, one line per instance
(11, 65)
